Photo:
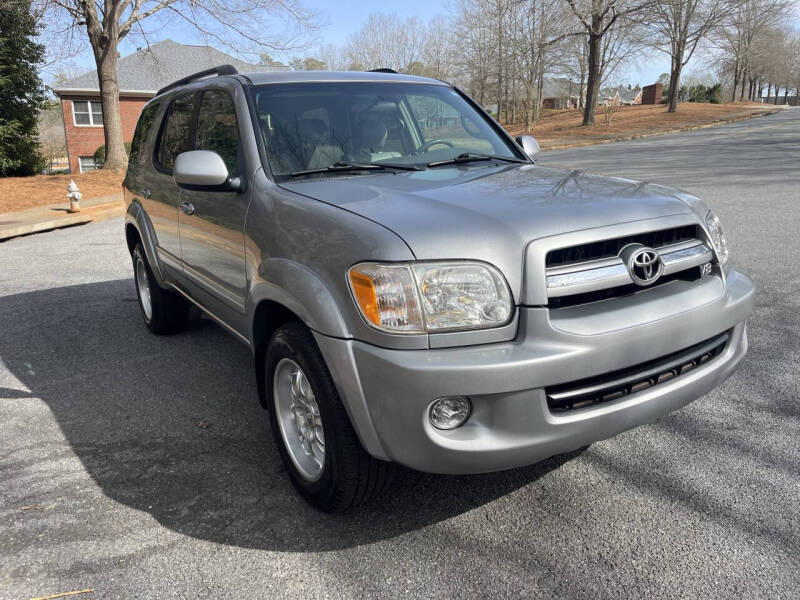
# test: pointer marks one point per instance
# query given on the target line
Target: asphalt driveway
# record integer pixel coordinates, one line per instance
(108, 481)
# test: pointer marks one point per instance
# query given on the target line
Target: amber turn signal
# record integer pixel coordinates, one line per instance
(364, 292)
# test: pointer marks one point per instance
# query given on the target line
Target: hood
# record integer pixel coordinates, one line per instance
(484, 211)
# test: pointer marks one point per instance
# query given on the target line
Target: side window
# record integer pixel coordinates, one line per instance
(217, 130)
(143, 126)
(176, 137)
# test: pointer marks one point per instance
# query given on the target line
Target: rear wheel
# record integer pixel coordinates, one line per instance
(317, 443)
(162, 311)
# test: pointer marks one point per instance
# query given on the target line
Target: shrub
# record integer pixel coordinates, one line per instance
(100, 153)
(714, 94)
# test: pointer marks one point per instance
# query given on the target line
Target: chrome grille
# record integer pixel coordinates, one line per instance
(610, 248)
(566, 277)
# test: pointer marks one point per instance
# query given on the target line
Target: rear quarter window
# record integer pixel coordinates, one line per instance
(139, 142)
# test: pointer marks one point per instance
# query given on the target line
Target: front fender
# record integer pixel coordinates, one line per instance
(300, 290)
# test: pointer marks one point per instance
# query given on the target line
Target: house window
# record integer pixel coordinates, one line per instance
(88, 163)
(87, 112)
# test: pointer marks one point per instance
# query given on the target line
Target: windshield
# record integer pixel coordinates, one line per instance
(308, 126)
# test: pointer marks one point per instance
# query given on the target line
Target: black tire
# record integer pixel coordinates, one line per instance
(169, 312)
(350, 476)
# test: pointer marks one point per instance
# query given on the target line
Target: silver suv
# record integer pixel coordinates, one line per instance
(413, 287)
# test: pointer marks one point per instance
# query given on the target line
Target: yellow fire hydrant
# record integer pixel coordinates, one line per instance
(74, 197)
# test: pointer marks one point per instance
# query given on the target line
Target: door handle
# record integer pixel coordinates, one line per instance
(145, 194)
(187, 207)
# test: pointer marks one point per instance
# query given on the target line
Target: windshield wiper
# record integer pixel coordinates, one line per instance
(470, 157)
(344, 167)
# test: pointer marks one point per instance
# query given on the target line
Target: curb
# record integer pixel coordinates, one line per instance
(637, 136)
(98, 212)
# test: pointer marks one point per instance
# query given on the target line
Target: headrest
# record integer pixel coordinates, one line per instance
(372, 133)
(311, 130)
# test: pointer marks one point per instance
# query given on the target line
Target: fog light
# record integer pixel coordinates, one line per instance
(705, 269)
(450, 412)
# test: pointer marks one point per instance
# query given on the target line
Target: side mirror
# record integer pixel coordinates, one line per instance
(528, 144)
(203, 170)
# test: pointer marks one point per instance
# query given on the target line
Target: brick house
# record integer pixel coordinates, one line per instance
(651, 94)
(139, 75)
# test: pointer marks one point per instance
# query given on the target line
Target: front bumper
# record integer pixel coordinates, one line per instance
(388, 392)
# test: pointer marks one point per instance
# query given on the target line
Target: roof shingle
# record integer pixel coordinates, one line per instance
(148, 70)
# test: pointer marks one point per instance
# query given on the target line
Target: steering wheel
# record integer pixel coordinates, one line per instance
(430, 143)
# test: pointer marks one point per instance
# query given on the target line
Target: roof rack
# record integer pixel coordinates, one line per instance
(218, 71)
(383, 71)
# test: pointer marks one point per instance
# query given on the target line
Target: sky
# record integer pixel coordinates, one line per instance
(343, 18)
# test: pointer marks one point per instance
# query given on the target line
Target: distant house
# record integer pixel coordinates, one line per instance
(651, 94)
(557, 92)
(560, 92)
(140, 75)
(623, 94)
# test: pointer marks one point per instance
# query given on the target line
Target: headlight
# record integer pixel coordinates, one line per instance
(718, 238)
(430, 296)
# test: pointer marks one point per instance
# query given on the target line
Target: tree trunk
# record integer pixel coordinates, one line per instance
(499, 62)
(674, 83)
(593, 83)
(744, 80)
(104, 47)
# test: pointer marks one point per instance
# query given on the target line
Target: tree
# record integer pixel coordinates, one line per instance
(232, 23)
(266, 59)
(598, 17)
(331, 55)
(677, 27)
(21, 91)
(52, 143)
(307, 64)
(739, 36)
(538, 45)
(386, 41)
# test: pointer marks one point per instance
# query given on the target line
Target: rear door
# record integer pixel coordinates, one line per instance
(212, 222)
(160, 194)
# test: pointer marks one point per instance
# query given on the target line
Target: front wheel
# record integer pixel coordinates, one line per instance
(315, 439)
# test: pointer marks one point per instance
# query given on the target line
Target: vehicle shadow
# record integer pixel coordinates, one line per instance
(171, 426)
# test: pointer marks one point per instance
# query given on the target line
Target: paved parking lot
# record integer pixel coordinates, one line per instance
(107, 481)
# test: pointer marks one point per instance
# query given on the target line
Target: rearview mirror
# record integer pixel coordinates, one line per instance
(203, 170)
(529, 145)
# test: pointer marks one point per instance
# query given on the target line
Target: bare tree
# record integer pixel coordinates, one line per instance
(598, 17)
(738, 36)
(438, 51)
(540, 45)
(474, 39)
(386, 41)
(677, 27)
(227, 22)
(332, 56)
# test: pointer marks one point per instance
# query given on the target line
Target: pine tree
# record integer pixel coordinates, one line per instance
(21, 91)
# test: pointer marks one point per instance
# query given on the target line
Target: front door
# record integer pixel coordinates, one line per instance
(212, 222)
(161, 195)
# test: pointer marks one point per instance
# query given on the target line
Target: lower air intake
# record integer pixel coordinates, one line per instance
(584, 393)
